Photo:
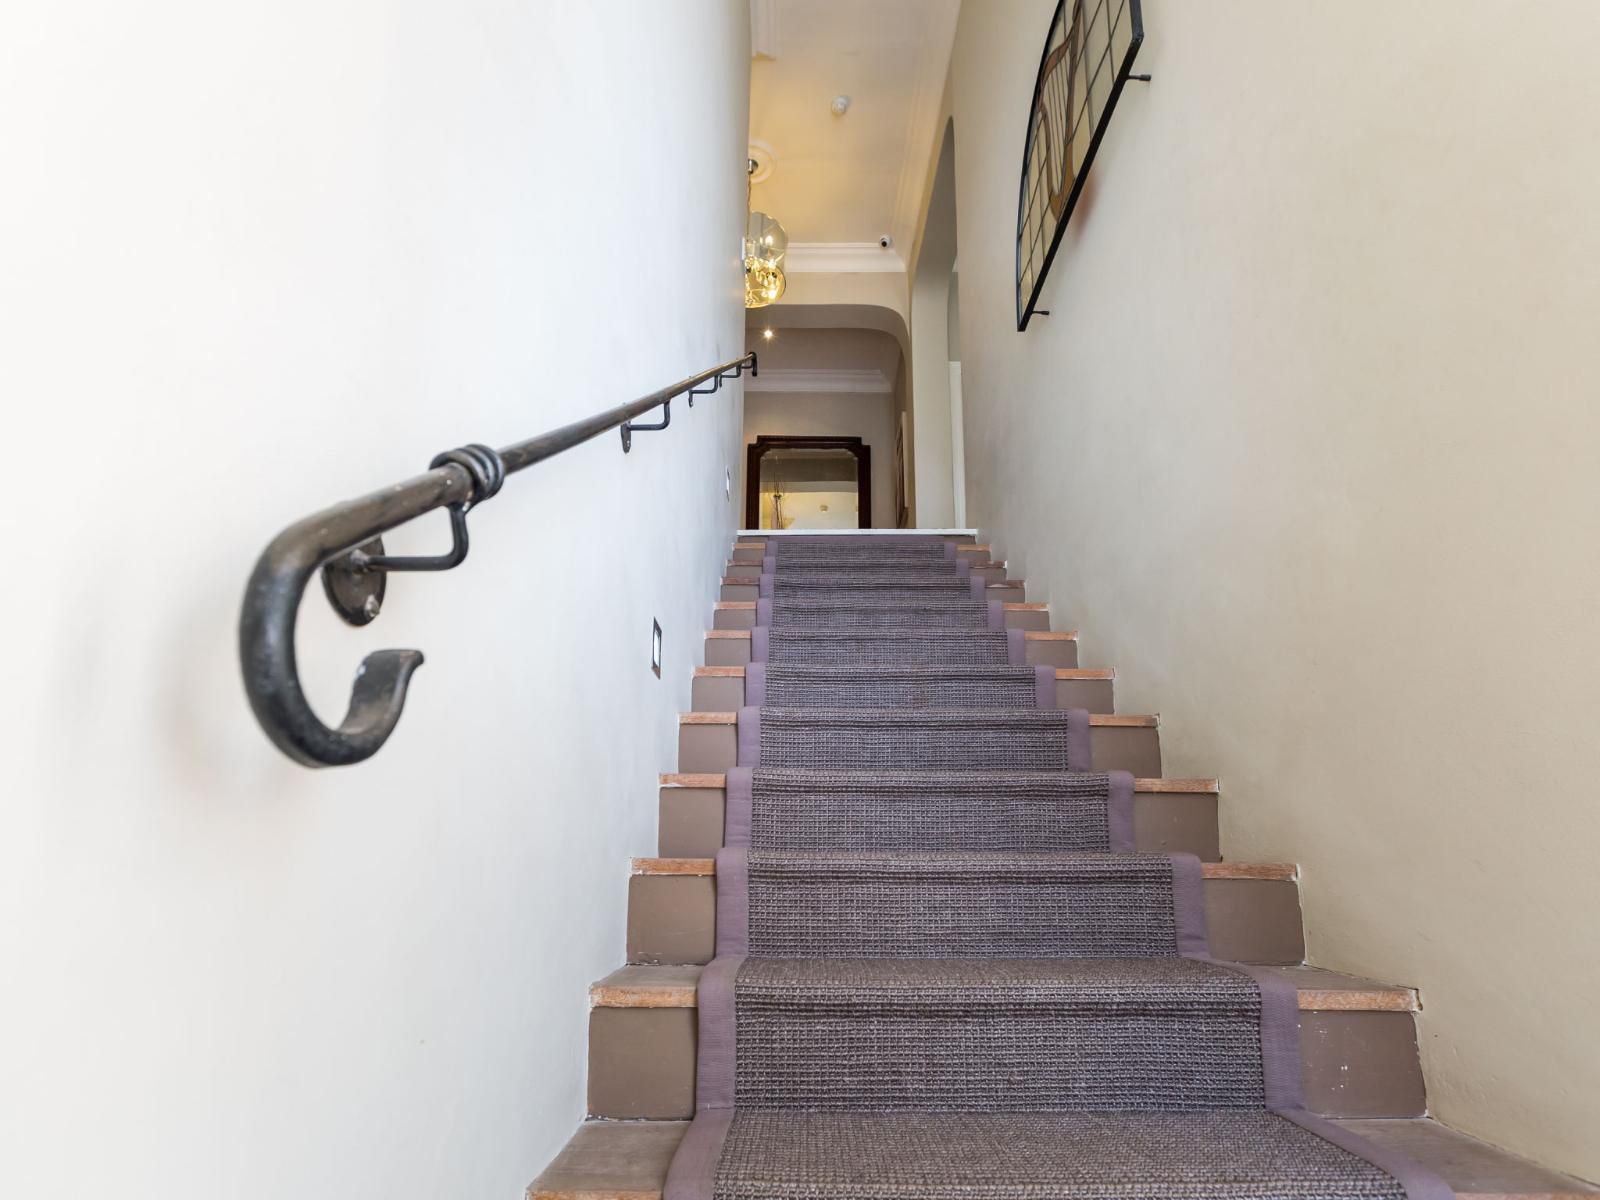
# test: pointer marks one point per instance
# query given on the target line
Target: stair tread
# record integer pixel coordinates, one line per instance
(980, 567)
(1029, 635)
(874, 531)
(1209, 870)
(1107, 720)
(1179, 786)
(1061, 672)
(1008, 605)
(628, 1160)
(1320, 990)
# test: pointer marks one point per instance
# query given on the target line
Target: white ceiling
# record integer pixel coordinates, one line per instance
(845, 181)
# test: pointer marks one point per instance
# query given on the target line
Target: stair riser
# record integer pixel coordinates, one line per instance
(1056, 652)
(1163, 823)
(1033, 619)
(1016, 594)
(749, 551)
(672, 919)
(753, 553)
(989, 572)
(712, 749)
(1354, 1064)
(722, 694)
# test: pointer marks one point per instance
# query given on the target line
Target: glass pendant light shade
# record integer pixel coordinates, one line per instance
(763, 285)
(765, 240)
(765, 244)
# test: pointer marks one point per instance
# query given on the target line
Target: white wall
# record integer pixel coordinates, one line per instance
(259, 257)
(1308, 450)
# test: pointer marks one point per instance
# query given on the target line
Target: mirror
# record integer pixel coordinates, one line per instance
(808, 483)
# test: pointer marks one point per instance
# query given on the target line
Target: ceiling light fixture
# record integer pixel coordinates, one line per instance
(767, 333)
(765, 244)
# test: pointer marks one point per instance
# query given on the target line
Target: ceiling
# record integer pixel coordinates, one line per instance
(839, 183)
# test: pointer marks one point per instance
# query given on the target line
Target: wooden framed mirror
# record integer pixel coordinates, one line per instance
(808, 483)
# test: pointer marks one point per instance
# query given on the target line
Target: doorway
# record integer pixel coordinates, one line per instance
(808, 483)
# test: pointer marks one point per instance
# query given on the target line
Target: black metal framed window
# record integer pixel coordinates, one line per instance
(1088, 57)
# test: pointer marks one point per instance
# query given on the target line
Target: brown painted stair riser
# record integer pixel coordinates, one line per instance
(721, 689)
(1170, 816)
(750, 589)
(741, 614)
(738, 572)
(731, 648)
(969, 550)
(672, 914)
(708, 743)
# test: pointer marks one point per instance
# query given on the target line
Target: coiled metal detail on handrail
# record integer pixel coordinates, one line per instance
(344, 545)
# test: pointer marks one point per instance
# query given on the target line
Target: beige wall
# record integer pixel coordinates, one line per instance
(260, 257)
(1310, 448)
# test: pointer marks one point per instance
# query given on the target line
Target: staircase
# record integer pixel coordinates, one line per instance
(929, 921)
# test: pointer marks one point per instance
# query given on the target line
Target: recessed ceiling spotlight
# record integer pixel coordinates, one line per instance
(767, 333)
(840, 105)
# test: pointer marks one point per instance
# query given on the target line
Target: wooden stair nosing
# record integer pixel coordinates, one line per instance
(1015, 584)
(1028, 635)
(1288, 872)
(1181, 786)
(992, 562)
(638, 986)
(1061, 672)
(1104, 720)
(1007, 605)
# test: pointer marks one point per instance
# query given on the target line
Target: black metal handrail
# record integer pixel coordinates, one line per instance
(344, 543)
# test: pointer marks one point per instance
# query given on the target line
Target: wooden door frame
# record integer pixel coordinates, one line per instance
(764, 443)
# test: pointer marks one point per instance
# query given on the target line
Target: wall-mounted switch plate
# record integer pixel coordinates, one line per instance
(655, 647)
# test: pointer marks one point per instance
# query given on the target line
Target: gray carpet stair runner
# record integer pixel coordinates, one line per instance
(775, 809)
(941, 973)
(855, 611)
(855, 554)
(833, 582)
(956, 904)
(898, 685)
(913, 739)
(851, 647)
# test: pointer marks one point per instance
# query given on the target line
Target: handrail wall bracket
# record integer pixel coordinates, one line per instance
(629, 428)
(354, 582)
(344, 544)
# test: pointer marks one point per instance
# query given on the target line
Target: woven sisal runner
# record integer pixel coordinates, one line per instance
(941, 972)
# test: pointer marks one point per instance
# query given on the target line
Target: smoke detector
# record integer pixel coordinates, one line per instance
(840, 105)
